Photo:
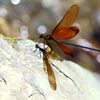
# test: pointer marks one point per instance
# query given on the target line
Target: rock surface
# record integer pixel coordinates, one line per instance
(22, 76)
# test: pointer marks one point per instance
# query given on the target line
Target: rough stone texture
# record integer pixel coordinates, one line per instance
(22, 76)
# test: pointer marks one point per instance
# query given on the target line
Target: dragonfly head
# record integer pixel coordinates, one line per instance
(41, 36)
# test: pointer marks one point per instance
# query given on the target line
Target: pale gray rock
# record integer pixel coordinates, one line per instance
(22, 76)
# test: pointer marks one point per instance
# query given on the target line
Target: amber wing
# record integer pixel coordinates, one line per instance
(68, 19)
(48, 70)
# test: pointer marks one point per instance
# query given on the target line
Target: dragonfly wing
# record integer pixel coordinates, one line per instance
(66, 33)
(68, 19)
(49, 72)
(65, 49)
(52, 55)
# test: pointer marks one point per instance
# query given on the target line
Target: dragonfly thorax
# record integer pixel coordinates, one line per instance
(46, 37)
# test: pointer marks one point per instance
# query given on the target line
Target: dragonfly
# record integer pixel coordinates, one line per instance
(47, 53)
(64, 30)
(47, 68)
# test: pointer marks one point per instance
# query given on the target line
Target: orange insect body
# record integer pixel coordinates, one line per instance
(64, 30)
